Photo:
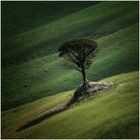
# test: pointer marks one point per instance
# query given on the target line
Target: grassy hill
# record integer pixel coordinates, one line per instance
(18, 17)
(46, 39)
(43, 73)
(110, 114)
(34, 79)
(49, 75)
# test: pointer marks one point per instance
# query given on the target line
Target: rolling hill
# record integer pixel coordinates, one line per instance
(111, 114)
(46, 39)
(35, 79)
(18, 17)
(35, 76)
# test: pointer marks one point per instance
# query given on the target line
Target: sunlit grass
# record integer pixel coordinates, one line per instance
(110, 114)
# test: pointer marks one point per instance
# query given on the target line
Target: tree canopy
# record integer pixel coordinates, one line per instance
(80, 52)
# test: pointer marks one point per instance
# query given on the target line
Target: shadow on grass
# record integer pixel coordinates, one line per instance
(79, 94)
(48, 114)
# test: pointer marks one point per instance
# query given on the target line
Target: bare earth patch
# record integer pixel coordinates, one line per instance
(92, 88)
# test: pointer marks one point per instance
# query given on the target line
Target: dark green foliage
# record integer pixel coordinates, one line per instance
(79, 52)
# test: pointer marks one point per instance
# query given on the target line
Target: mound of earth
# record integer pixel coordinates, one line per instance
(91, 88)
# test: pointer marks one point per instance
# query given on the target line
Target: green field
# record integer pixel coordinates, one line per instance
(34, 14)
(35, 79)
(111, 114)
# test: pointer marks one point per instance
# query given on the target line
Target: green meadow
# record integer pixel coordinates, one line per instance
(34, 78)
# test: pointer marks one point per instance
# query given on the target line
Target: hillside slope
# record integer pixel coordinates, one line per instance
(34, 78)
(110, 114)
(46, 39)
(36, 69)
(21, 16)
(49, 75)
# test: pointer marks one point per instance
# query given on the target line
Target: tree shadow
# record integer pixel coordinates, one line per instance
(48, 114)
(80, 93)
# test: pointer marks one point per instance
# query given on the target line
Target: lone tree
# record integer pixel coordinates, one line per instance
(79, 52)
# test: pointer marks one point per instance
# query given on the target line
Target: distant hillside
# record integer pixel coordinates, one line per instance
(84, 23)
(21, 16)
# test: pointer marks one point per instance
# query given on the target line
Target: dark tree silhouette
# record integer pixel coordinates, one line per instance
(79, 52)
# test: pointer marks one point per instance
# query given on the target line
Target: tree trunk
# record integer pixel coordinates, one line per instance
(84, 76)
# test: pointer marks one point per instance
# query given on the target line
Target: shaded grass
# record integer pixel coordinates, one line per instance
(34, 71)
(48, 75)
(30, 14)
(119, 52)
(46, 39)
(111, 114)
